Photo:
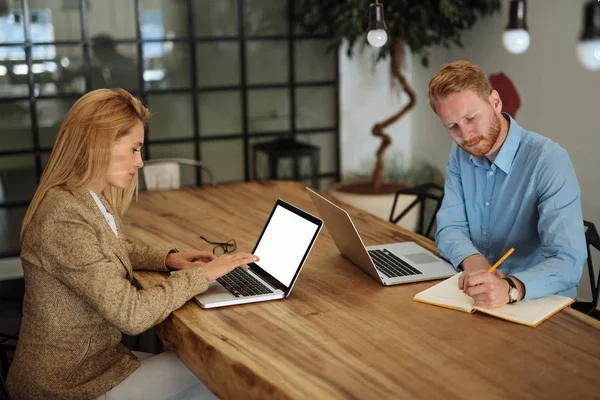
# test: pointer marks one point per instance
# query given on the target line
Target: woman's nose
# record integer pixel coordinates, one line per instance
(139, 163)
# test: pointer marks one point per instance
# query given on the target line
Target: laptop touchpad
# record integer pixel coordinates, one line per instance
(421, 258)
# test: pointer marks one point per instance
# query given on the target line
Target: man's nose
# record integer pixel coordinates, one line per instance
(468, 133)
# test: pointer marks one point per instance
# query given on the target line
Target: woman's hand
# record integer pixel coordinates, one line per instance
(226, 263)
(189, 259)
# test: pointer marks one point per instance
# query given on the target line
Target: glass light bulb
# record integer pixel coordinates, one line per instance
(588, 53)
(377, 37)
(516, 41)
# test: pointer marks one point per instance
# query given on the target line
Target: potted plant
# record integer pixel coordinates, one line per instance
(413, 25)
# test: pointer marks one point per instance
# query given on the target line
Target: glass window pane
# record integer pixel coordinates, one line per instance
(327, 143)
(44, 157)
(267, 61)
(112, 18)
(220, 113)
(313, 62)
(167, 65)
(268, 110)
(17, 176)
(51, 114)
(61, 72)
(215, 18)
(218, 63)
(55, 20)
(15, 126)
(177, 150)
(225, 158)
(266, 17)
(315, 107)
(13, 72)
(163, 19)
(299, 10)
(11, 220)
(172, 116)
(114, 65)
(12, 26)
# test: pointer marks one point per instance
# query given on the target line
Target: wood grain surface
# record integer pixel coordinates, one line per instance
(340, 335)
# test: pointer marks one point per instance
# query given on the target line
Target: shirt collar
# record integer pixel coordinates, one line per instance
(507, 152)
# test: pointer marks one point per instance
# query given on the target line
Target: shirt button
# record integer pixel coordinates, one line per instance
(487, 203)
(484, 233)
(491, 173)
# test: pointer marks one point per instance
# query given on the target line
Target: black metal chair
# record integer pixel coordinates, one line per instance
(426, 193)
(592, 239)
(12, 288)
(8, 344)
(4, 389)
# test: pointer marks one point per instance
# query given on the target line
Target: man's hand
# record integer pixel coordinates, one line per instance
(488, 290)
(472, 264)
(189, 259)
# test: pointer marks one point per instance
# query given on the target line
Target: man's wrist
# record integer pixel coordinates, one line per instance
(474, 262)
(519, 285)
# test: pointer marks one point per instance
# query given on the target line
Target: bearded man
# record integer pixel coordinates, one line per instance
(506, 187)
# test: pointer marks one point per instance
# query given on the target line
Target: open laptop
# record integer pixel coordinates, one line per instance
(388, 264)
(283, 246)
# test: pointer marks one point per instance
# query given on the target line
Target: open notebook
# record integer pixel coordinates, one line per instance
(528, 312)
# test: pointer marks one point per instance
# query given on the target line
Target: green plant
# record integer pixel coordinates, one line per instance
(419, 172)
(416, 24)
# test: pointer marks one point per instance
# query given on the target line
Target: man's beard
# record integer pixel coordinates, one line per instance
(485, 145)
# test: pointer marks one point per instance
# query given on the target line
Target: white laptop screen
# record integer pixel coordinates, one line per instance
(285, 242)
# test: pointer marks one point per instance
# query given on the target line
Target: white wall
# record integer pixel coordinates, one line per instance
(366, 98)
(559, 98)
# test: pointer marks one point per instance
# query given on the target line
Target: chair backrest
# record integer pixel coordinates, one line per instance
(427, 193)
(3, 388)
(165, 173)
(592, 239)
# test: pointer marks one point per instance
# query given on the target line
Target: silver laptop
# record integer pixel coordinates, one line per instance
(283, 246)
(388, 264)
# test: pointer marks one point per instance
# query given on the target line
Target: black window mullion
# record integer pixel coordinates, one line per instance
(35, 131)
(292, 68)
(338, 163)
(244, 85)
(140, 66)
(194, 82)
(87, 62)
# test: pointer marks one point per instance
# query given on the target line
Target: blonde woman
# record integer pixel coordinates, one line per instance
(78, 268)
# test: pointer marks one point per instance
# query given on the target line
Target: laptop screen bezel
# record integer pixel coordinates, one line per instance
(264, 274)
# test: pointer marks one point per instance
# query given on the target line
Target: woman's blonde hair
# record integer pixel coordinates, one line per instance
(456, 77)
(82, 151)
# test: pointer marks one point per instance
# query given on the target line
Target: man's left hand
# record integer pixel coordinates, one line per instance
(488, 290)
(189, 259)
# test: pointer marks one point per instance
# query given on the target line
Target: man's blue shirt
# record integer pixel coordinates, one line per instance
(529, 199)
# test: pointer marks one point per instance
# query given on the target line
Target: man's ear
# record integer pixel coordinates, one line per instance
(496, 101)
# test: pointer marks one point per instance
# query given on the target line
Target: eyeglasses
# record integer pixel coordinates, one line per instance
(221, 247)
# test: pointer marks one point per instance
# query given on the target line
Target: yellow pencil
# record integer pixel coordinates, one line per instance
(508, 253)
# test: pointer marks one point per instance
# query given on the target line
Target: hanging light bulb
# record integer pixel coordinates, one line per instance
(588, 49)
(516, 38)
(377, 31)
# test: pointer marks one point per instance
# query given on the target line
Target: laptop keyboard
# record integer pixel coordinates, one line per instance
(390, 265)
(241, 284)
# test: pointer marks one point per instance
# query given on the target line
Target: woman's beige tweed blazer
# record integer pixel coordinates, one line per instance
(79, 297)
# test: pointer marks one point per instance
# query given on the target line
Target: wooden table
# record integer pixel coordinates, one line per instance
(342, 335)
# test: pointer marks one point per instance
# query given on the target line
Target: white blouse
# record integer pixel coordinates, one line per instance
(108, 216)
